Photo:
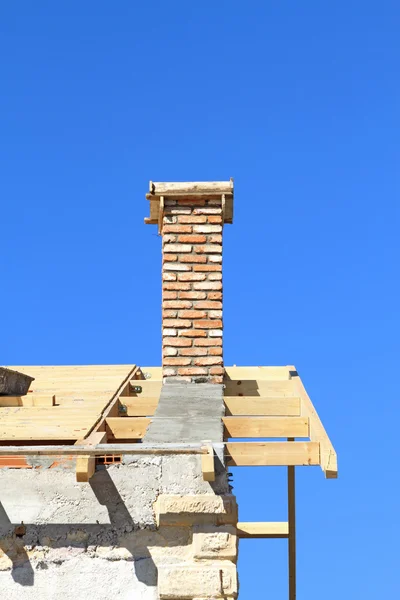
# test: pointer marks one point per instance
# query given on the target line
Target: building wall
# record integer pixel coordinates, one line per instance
(147, 528)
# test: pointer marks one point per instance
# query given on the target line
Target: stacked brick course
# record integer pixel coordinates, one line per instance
(192, 290)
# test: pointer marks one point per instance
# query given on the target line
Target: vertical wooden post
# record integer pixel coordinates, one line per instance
(292, 530)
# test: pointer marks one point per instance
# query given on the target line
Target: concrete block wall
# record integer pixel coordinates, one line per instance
(192, 290)
(149, 528)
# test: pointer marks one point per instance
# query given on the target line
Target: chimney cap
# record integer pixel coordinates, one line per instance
(161, 190)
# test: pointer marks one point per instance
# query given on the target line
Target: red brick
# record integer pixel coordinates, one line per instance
(206, 324)
(169, 314)
(168, 238)
(208, 342)
(215, 239)
(169, 257)
(217, 371)
(215, 210)
(177, 323)
(192, 219)
(191, 276)
(192, 371)
(171, 296)
(179, 361)
(194, 333)
(194, 351)
(195, 296)
(208, 305)
(184, 287)
(192, 239)
(192, 314)
(214, 296)
(207, 267)
(208, 249)
(192, 258)
(177, 229)
(216, 351)
(208, 360)
(177, 304)
(214, 219)
(208, 285)
(179, 342)
(169, 276)
(213, 277)
(217, 379)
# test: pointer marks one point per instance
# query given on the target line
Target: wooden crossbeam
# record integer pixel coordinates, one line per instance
(207, 463)
(126, 428)
(260, 406)
(267, 427)
(138, 406)
(317, 431)
(85, 468)
(263, 530)
(247, 454)
(258, 387)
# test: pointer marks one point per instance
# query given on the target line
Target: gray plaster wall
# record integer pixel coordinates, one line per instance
(98, 539)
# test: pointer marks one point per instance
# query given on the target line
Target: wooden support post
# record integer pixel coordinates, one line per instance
(85, 468)
(207, 462)
(292, 530)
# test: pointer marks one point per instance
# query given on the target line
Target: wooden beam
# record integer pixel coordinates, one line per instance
(261, 406)
(28, 400)
(85, 468)
(100, 449)
(292, 532)
(207, 463)
(263, 530)
(268, 427)
(149, 388)
(138, 406)
(198, 188)
(257, 373)
(256, 454)
(317, 431)
(127, 428)
(258, 387)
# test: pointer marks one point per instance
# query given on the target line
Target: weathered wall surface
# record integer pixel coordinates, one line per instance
(147, 528)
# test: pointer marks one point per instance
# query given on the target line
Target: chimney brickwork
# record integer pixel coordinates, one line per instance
(192, 289)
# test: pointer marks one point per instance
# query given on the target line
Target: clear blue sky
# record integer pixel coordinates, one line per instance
(299, 102)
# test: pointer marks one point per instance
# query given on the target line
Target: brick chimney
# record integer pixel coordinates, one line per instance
(190, 217)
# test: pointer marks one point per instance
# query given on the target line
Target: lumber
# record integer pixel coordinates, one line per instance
(85, 468)
(256, 454)
(262, 406)
(292, 533)
(150, 388)
(126, 428)
(264, 373)
(317, 431)
(258, 387)
(207, 463)
(198, 188)
(139, 406)
(277, 529)
(258, 427)
(28, 400)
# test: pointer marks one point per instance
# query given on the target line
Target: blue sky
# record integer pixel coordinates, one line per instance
(299, 102)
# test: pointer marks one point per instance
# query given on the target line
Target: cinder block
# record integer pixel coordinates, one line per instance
(205, 581)
(214, 542)
(195, 509)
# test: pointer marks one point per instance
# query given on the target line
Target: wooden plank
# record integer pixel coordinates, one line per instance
(85, 468)
(258, 427)
(174, 188)
(317, 431)
(28, 400)
(278, 529)
(258, 387)
(139, 406)
(263, 373)
(262, 406)
(150, 389)
(253, 454)
(126, 428)
(207, 463)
